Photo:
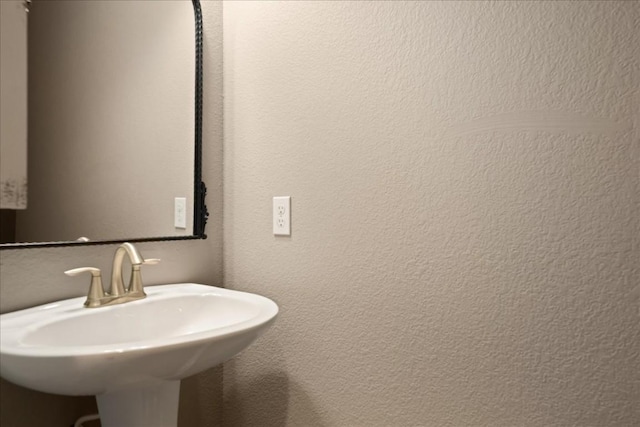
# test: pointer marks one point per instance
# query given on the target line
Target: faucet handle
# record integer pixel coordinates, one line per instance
(76, 271)
(135, 283)
(96, 291)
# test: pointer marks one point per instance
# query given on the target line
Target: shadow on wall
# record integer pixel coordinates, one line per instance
(23, 407)
(199, 397)
(265, 401)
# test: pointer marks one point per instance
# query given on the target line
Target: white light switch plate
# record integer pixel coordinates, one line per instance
(282, 216)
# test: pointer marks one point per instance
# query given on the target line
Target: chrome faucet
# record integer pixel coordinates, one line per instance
(117, 294)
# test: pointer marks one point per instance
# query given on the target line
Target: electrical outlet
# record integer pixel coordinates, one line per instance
(180, 212)
(282, 216)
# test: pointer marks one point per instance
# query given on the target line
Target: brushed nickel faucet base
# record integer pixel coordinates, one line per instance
(118, 294)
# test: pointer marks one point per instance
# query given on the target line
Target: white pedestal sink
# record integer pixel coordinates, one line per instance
(131, 356)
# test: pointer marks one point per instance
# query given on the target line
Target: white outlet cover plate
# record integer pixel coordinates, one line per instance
(180, 212)
(282, 216)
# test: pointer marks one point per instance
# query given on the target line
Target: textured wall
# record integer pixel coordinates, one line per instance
(34, 276)
(465, 195)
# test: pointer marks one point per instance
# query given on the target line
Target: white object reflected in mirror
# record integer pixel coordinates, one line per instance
(13, 107)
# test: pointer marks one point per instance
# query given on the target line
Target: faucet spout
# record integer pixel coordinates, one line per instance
(117, 284)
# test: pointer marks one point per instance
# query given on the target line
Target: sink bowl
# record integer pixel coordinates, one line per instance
(131, 355)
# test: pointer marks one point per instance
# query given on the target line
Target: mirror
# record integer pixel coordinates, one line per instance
(114, 124)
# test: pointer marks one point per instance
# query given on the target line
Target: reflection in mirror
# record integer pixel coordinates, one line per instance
(13, 111)
(112, 114)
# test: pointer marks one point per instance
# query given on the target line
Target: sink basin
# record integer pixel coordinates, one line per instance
(131, 355)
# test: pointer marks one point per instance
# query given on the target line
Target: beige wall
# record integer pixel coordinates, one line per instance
(465, 194)
(34, 276)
